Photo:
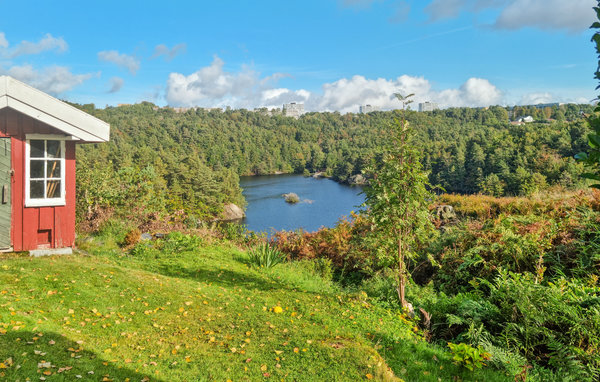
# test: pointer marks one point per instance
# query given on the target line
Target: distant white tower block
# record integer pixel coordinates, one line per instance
(367, 109)
(293, 109)
(428, 106)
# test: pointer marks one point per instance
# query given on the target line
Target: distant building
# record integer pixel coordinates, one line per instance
(367, 109)
(183, 109)
(266, 111)
(293, 109)
(428, 106)
(527, 119)
(545, 105)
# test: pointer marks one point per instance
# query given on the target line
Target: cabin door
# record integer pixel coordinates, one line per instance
(5, 203)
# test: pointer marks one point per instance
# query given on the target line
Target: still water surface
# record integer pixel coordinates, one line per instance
(322, 202)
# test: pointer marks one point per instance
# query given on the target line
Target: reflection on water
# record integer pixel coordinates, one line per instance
(323, 202)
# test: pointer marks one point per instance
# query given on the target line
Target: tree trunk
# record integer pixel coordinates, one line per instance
(401, 276)
(401, 291)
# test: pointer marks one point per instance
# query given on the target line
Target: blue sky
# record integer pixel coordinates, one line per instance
(328, 54)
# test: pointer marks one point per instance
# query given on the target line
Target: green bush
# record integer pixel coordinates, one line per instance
(468, 356)
(321, 267)
(145, 249)
(176, 242)
(171, 245)
(233, 231)
(479, 250)
(382, 286)
(114, 229)
(553, 326)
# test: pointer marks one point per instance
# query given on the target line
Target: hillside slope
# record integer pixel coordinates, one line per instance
(194, 312)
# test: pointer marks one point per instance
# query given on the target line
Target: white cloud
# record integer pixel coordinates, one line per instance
(573, 15)
(275, 98)
(163, 50)
(346, 95)
(54, 80)
(120, 59)
(47, 43)
(479, 92)
(3, 41)
(537, 98)
(116, 83)
(212, 86)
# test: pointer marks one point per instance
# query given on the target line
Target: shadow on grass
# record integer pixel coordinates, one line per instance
(224, 277)
(56, 358)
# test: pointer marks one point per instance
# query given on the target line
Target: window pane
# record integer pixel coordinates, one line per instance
(36, 189)
(53, 169)
(37, 148)
(53, 189)
(53, 149)
(36, 168)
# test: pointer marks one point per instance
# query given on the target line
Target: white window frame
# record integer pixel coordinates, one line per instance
(45, 202)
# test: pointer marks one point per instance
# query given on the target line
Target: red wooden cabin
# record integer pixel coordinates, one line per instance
(38, 134)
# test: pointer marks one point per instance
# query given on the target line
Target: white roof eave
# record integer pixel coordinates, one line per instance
(51, 111)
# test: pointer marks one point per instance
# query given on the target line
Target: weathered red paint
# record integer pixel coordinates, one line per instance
(37, 227)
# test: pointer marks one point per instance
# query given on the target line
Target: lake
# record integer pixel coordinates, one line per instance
(322, 202)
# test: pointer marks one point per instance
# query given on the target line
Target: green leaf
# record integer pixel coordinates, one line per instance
(589, 175)
(594, 140)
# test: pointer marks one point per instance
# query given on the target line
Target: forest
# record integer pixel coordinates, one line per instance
(168, 161)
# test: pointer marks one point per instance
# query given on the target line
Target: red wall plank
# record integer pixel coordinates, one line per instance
(65, 215)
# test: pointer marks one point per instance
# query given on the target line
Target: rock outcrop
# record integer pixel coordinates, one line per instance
(233, 212)
(357, 180)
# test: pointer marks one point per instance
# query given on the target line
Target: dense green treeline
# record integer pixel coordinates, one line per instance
(162, 160)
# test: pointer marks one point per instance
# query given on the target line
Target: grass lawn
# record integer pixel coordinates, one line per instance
(200, 313)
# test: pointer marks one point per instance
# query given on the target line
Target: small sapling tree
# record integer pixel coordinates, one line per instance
(396, 200)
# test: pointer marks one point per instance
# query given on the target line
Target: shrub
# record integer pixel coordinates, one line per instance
(552, 325)
(343, 245)
(382, 287)
(113, 230)
(468, 356)
(176, 242)
(265, 256)
(171, 245)
(191, 221)
(132, 237)
(233, 231)
(145, 249)
(321, 267)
